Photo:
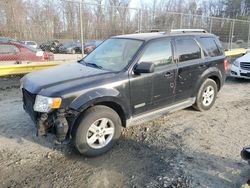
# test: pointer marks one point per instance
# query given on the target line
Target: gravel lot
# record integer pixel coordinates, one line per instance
(183, 149)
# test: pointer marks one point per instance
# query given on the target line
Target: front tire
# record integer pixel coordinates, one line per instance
(97, 131)
(206, 96)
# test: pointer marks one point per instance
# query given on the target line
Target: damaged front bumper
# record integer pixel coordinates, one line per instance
(55, 122)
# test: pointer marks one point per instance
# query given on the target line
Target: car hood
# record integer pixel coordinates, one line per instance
(56, 80)
(244, 58)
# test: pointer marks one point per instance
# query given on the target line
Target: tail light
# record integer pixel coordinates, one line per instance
(225, 64)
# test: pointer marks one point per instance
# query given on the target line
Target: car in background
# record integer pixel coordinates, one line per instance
(241, 67)
(70, 48)
(51, 46)
(32, 44)
(91, 45)
(18, 52)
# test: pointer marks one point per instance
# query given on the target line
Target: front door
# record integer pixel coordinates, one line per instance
(155, 90)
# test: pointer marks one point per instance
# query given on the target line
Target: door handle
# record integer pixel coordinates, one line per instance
(168, 74)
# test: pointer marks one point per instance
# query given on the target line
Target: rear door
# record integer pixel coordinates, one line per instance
(190, 64)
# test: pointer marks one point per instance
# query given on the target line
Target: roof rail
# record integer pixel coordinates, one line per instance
(188, 31)
(161, 31)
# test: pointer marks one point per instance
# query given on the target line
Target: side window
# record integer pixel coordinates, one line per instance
(187, 49)
(158, 52)
(210, 46)
(7, 49)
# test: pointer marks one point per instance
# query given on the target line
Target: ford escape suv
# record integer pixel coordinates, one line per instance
(128, 79)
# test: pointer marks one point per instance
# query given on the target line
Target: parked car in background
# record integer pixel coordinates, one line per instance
(91, 45)
(51, 46)
(14, 51)
(241, 67)
(71, 48)
(32, 44)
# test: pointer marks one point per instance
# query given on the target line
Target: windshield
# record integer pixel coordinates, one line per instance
(31, 43)
(31, 48)
(113, 54)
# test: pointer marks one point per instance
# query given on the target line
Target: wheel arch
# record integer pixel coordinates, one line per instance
(217, 81)
(211, 73)
(105, 101)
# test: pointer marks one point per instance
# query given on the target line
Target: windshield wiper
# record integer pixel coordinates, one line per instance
(94, 65)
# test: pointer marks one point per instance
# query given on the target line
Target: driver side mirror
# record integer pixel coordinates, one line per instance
(144, 67)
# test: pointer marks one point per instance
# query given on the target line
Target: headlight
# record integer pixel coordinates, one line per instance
(236, 63)
(45, 104)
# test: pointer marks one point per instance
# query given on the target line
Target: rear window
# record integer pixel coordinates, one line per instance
(31, 43)
(187, 49)
(211, 47)
(7, 48)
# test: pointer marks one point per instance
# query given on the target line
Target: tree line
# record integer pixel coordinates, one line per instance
(43, 20)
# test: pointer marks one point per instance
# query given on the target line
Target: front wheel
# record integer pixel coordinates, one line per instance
(206, 95)
(97, 130)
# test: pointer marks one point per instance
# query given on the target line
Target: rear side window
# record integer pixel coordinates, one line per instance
(210, 46)
(187, 49)
(31, 43)
(158, 52)
(6, 49)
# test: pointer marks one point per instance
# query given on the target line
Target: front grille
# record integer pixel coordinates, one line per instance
(245, 65)
(28, 103)
(245, 74)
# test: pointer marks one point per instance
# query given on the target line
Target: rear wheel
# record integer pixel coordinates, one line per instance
(206, 95)
(97, 131)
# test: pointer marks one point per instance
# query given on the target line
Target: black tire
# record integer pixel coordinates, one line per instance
(199, 104)
(82, 126)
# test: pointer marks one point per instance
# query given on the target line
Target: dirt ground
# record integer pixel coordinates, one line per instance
(183, 149)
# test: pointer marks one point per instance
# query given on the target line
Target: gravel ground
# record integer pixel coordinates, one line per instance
(183, 149)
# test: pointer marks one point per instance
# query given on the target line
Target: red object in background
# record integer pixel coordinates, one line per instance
(13, 51)
(91, 45)
(89, 49)
(225, 64)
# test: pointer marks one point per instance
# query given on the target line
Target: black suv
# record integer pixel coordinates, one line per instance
(128, 79)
